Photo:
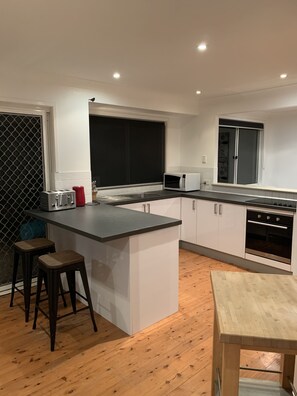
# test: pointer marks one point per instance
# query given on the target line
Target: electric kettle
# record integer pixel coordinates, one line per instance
(80, 195)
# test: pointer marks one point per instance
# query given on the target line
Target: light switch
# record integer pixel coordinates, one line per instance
(204, 159)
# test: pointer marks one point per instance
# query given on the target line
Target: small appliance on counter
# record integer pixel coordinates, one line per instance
(80, 195)
(57, 200)
(182, 181)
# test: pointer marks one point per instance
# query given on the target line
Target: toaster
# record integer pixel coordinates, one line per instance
(57, 200)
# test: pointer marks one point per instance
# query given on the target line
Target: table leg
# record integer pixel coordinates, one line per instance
(230, 370)
(216, 355)
(288, 371)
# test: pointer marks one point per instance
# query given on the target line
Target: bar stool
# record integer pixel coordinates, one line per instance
(52, 266)
(27, 250)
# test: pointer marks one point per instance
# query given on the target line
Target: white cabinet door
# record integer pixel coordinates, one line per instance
(169, 207)
(207, 224)
(162, 207)
(139, 206)
(221, 226)
(232, 220)
(188, 216)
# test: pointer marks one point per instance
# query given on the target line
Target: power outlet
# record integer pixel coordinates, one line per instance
(204, 159)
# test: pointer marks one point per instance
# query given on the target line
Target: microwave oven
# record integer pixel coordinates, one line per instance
(181, 181)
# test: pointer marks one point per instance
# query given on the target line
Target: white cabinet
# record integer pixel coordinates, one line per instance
(207, 224)
(221, 226)
(139, 206)
(169, 207)
(214, 225)
(188, 215)
(232, 223)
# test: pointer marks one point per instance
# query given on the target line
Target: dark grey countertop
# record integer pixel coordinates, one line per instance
(104, 222)
(268, 203)
(207, 195)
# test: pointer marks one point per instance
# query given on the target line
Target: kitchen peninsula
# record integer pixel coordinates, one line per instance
(131, 260)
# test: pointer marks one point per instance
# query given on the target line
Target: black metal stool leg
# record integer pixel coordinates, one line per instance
(84, 278)
(45, 283)
(38, 292)
(62, 292)
(53, 295)
(27, 263)
(71, 284)
(14, 276)
(52, 249)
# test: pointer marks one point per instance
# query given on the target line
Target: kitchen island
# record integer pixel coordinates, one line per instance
(256, 312)
(131, 260)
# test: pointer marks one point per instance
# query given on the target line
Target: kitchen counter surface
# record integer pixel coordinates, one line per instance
(104, 222)
(279, 204)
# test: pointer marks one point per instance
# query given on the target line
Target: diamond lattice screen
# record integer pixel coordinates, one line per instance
(21, 166)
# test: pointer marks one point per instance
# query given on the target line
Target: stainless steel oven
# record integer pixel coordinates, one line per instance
(269, 235)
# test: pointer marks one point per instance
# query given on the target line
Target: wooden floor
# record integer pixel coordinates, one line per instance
(172, 357)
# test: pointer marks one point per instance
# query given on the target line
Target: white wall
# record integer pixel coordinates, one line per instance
(189, 137)
(280, 150)
(68, 101)
(199, 136)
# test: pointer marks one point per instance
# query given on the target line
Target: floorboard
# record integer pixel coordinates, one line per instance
(172, 357)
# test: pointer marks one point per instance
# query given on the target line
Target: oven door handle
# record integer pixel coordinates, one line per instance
(268, 225)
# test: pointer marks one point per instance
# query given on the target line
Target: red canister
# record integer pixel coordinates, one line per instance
(80, 195)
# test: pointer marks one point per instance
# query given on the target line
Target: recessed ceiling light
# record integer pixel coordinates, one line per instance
(202, 47)
(116, 75)
(198, 92)
(283, 75)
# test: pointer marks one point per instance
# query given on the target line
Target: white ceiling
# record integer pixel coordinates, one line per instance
(152, 43)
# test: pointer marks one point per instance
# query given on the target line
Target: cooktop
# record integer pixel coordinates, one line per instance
(274, 202)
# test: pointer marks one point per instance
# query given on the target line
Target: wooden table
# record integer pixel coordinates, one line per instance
(257, 312)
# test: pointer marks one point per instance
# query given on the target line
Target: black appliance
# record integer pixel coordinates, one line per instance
(269, 235)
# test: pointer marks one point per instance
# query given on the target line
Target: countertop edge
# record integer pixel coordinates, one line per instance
(35, 213)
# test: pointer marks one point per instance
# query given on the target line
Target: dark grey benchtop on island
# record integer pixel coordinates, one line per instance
(269, 203)
(104, 222)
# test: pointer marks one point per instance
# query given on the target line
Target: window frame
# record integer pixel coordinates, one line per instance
(238, 124)
(128, 126)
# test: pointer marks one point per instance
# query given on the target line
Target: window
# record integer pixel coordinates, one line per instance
(238, 151)
(125, 152)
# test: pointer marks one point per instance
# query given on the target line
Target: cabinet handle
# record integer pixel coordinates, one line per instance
(220, 209)
(148, 208)
(193, 204)
(215, 209)
(144, 208)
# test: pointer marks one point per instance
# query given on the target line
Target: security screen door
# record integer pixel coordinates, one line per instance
(22, 179)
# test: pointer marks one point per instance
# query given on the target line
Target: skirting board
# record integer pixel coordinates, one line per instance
(227, 258)
(6, 289)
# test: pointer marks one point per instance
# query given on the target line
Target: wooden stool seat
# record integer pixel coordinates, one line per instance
(60, 259)
(34, 244)
(52, 266)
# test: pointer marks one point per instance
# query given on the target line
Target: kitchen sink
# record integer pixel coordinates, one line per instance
(128, 197)
(143, 195)
(110, 198)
